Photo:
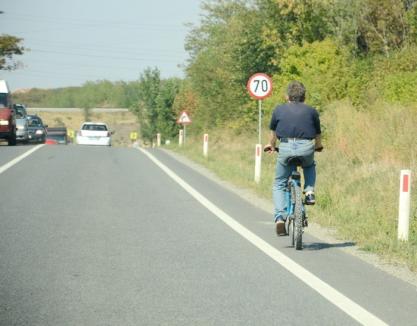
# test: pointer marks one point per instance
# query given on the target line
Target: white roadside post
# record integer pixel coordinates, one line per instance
(404, 207)
(181, 137)
(183, 119)
(205, 145)
(258, 162)
(158, 139)
(259, 87)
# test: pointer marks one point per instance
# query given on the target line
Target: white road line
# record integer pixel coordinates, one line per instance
(335, 297)
(18, 159)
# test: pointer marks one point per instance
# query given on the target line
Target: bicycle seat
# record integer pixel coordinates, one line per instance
(294, 160)
(295, 175)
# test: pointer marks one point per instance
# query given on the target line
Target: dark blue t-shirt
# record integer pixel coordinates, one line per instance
(295, 120)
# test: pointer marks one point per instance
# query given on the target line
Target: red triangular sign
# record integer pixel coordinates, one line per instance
(184, 118)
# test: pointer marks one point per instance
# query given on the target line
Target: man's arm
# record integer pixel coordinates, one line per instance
(318, 145)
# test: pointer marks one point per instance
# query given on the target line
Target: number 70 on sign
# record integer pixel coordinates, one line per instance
(259, 86)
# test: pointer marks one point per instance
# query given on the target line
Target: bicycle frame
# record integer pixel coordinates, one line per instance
(290, 203)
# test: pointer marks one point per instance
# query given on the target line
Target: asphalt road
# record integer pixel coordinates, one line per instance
(103, 236)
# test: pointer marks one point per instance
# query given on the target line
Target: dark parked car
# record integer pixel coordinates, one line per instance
(37, 130)
(19, 110)
(57, 135)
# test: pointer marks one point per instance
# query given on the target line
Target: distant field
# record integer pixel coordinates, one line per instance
(122, 123)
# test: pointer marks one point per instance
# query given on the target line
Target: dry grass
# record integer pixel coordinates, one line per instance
(358, 173)
(359, 177)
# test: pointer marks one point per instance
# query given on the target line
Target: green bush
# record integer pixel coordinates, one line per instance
(395, 78)
(400, 87)
(324, 68)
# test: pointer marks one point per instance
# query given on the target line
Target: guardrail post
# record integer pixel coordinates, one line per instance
(404, 206)
(258, 161)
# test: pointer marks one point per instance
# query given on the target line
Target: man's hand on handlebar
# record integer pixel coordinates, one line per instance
(319, 149)
(270, 149)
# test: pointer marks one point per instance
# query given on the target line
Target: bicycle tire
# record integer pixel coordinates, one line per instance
(290, 230)
(298, 218)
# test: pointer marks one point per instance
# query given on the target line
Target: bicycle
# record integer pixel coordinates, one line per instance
(296, 213)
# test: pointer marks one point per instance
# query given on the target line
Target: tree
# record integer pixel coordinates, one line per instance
(9, 47)
(383, 25)
(292, 22)
(166, 116)
(148, 92)
(225, 50)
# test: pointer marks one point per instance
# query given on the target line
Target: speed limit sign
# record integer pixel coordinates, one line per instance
(259, 86)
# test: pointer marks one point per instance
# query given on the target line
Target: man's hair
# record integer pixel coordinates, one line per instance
(296, 91)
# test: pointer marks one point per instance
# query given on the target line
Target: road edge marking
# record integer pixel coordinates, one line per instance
(16, 160)
(335, 297)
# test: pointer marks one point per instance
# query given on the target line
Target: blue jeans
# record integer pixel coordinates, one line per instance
(300, 147)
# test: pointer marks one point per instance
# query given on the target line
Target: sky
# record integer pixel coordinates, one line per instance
(74, 41)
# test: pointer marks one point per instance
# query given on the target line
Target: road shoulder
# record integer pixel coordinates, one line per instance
(327, 235)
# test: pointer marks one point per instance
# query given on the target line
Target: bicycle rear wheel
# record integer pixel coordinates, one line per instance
(298, 218)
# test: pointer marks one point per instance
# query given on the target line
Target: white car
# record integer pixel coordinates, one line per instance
(94, 133)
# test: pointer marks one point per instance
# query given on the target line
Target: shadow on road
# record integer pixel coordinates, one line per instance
(323, 245)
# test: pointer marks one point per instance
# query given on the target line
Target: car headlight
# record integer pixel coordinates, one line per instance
(4, 122)
(39, 132)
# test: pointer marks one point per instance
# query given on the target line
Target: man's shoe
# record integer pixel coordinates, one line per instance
(310, 199)
(280, 226)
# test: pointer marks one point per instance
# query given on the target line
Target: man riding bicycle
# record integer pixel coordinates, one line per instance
(297, 126)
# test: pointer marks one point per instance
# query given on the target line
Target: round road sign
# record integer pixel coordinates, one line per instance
(259, 86)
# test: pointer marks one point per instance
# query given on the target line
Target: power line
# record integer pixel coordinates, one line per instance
(119, 48)
(75, 65)
(92, 22)
(116, 51)
(97, 56)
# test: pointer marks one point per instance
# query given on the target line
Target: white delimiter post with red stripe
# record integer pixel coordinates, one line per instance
(258, 162)
(404, 207)
(205, 145)
(181, 137)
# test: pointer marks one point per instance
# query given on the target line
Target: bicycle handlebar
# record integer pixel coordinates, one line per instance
(276, 149)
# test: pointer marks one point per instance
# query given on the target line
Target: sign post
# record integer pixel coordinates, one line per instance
(133, 138)
(259, 87)
(183, 119)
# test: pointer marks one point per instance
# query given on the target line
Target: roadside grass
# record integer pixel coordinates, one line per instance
(122, 123)
(358, 174)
